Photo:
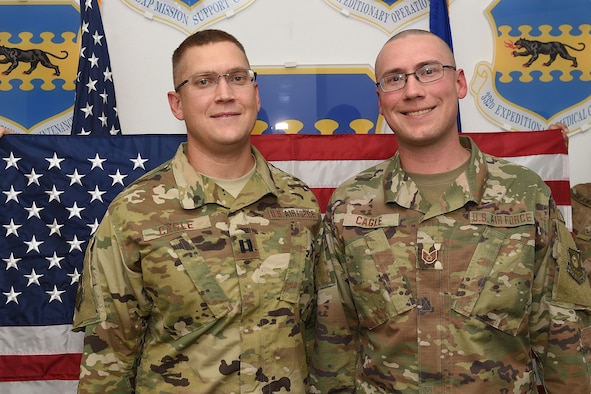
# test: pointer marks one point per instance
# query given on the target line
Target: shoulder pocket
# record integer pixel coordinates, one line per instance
(572, 283)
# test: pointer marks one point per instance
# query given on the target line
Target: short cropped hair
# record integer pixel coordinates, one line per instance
(200, 38)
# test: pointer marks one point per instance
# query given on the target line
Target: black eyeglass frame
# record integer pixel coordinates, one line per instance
(406, 75)
(252, 76)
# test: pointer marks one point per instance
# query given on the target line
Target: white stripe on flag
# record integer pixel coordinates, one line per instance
(325, 173)
(553, 167)
(39, 387)
(39, 340)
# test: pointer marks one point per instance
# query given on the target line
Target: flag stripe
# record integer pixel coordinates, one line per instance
(39, 386)
(549, 167)
(324, 173)
(48, 367)
(39, 352)
(383, 146)
(31, 340)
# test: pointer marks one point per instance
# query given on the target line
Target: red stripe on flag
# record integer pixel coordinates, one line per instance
(520, 143)
(302, 147)
(323, 196)
(560, 191)
(46, 367)
(288, 147)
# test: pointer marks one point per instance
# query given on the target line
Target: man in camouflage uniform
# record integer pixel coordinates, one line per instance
(445, 270)
(200, 276)
(581, 203)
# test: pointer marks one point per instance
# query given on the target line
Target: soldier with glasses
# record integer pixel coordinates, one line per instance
(444, 269)
(200, 276)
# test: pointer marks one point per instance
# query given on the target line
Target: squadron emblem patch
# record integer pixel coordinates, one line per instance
(541, 72)
(388, 15)
(188, 15)
(39, 55)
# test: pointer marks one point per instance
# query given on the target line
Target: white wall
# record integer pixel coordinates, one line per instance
(309, 32)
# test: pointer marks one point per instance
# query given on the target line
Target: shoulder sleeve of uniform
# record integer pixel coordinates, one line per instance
(572, 283)
(89, 308)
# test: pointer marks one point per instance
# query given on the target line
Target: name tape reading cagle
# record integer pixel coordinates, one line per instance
(175, 227)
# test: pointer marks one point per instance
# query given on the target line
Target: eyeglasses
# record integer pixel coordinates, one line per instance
(425, 74)
(208, 81)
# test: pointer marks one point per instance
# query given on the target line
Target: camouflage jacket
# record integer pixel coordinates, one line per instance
(452, 297)
(187, 289)
(581, 203)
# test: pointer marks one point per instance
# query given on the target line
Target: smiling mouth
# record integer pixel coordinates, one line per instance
(225, 115)
(417, 113)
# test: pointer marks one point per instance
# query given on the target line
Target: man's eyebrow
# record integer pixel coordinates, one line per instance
(399, 70)
(230, 70)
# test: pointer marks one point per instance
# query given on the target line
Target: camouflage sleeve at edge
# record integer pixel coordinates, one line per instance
(112, 341)
(560, 310)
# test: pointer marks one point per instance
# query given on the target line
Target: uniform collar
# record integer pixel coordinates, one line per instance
(399, 188)
(195, 190)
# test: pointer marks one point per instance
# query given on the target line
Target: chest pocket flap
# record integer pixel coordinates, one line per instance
(496, 288)
(201, 275)
(379, 287)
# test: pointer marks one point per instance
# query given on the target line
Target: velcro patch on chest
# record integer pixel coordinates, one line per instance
(386, 220)
(163, 229)
(292, 213)
(502, 220)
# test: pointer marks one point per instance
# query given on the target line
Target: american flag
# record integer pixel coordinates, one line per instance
(44, 237)
(95, 108)
(54, 191)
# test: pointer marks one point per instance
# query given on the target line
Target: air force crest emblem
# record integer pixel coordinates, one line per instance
(39, 56)
(541, 72)
(388, 15)
(188, 15)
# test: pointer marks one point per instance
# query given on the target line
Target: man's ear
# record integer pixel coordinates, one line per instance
(176, 105)
(462, 84)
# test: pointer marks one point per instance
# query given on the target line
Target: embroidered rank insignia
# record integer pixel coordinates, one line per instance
(245, 246)
(429, 256)
(575, 267)
(424, 305)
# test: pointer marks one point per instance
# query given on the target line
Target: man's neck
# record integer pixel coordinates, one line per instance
(227, 165)
(443, 156)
